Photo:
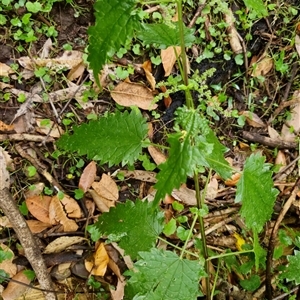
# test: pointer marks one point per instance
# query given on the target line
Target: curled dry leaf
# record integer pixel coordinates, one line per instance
(253, 119)
(7, 265)
(15, 289)
(168, 58)
(148, 71)
(273, 134)
(118, 293)
(38, 206)
(76, 72)
(297, 44)
(88, 176)
(262, 67)
(57, 215)
(129, 94)
(98, 264)
(101, 205)
(157, 155)
(62, 243)
(71, 207)
(234, 40)
(5, 70)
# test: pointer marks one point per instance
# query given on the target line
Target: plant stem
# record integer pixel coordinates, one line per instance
(189, 236)
(200, 204)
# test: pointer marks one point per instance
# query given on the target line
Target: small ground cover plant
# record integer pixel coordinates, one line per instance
(192, 148)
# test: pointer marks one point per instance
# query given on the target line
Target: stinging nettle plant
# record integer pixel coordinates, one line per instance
(120, 137)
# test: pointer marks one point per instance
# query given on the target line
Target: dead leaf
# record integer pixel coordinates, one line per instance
(46, 48)
(148, 71)
(294, 120)
(262, 67)
(7, 265)
(107, 190)
(129, 94)
(185, 195)
(212, 189)
(4, 175)
(142, 175)
(76, 72)
(4, 222)
(38, 190)
(5, 70)
(71, 207)
(168, 58)
(57, 215)
(56, 130)
(253, 119)
(4, 127)
(101, 205)
(157, 155)
(98, 265)
(38, 206)
(273, 134)
(286, 134)
(118, 293)
(168, 99)
(88, 176)
(297, 44)
(233, 180)
(281, 161)
(15, 289)
(36, 226)
(62, 243)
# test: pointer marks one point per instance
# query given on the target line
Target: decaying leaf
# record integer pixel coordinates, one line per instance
(294, 120)
(262, 67)
(38, 206)
(233, 180)
(129, 94)
(5, 70)
(273, 134)
(57, 215)
(148, 71)
(157, 155)
(88, 176)
(71, 207)
(5, 127)
(168, 58)
(14, 289)
(102, 206)
(253, 119)
(281, 161)
(297, 44)
(37, 226)
(55, 130)
(62, 243)
(142, 175)
(98, 265)
(234, 40)
(4, 175)
(7, 265)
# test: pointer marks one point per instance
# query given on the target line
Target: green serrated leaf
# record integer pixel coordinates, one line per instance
(114, 24)
(292, 271)
(259, 252)
(164, 35)
(255, 190)
(257, 6)
(117, 138)
(163, 275)
(137, 225)
(251, 284)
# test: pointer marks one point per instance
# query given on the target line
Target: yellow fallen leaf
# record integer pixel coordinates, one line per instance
(98, 264)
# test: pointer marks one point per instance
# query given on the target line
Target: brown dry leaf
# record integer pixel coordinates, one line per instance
(185, 195)
(57, 215)
(142, 175)
(148, 71)
(286, 134)
(76, 72)
(212, 189)
(4, 127)
(294, 120)
(44, 52)
(7, 265)
(273, 134)
(38, 190)
(36, 226)
(107, 190)
(4, 222)
(297, 44)
(167, 100)
(157, 155)
(5, 70)
(101, 205)
(15, 289)
(55, 130)
(38, 206)
(233, 180)
(99, 263)
(234, 40)
(253, 119)
(71, 207)
(129, 94)
(5, 85)
(281, 161)
(168, 58)
(118, 293)
(262, 67)
(62, 243)
(88, 176)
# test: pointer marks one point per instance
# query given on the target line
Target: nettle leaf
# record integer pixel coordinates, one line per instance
(163, 275)
(257, 6)
(255, 190)
(114, 24)
(112, 139)
(164, 35)
(135, 225)
(292, 271)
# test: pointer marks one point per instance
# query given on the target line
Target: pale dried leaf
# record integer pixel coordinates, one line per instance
(107, 188)
(118, 293)
(148, 72)
(36, 226)
(168, 58)
(5, 70)
(281, 161)
(157, 155)
(38, 189)
(273, 134)
(297, 44)
(71, 207)
(76, 72)
(234, 40)
(62, 243)
(15, 289)
(129, 94)
(77, 92)
(98, 265)
(127, 259)
(88, 176)
(262, 67)
(7, 265)
(4, 175)
(294, 120)
(185, 195)
(212, 189)
(4, 222)
(253, 119)
(38, 206)
(46, 48)
(57, 215)
(55, 130)
(141, 175)
(100, 203)
(286, 134)
(4, 86)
